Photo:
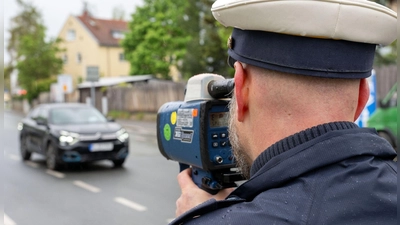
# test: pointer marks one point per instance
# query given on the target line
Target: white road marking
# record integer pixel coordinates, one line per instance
(55, 173)
(87, 186)
(32, 164)
(14, 157)
(8, 220)
(130, 204)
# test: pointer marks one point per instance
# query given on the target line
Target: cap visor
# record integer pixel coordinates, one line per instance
(231, 61)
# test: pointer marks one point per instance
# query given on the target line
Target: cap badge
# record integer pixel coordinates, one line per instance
(230, 42)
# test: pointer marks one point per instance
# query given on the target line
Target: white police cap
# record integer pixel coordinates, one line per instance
(337, 37)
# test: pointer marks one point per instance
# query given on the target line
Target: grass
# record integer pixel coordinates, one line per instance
(142, 116)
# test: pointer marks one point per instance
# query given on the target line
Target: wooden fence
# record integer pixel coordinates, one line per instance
(386, 77)
(149, 96)
(144, 96)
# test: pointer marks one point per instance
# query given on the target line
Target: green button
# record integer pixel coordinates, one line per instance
(167, 132)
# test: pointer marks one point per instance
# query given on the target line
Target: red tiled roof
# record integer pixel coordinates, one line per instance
(103, 30)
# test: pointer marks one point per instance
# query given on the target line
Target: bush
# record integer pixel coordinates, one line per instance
(38, 87)
(119, 114)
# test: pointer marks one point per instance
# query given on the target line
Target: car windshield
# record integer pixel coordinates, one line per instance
(76, 115)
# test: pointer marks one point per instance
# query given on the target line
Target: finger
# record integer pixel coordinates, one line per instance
(182, 205)
(222, 194)
(185, 179)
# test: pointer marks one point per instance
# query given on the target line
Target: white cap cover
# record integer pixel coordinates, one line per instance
(351, 20)
(324, 38)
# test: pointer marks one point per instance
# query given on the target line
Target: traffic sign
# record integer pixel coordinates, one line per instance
(92, 73)
(65, 83)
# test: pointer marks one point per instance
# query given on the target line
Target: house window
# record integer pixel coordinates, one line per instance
(65, 59)
(121, 57)
(71, 35)
(78, 57)
(117, 34)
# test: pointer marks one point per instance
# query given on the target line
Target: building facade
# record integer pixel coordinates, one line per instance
(93, 42)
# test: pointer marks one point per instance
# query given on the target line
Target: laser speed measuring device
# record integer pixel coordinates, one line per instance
(194, 132)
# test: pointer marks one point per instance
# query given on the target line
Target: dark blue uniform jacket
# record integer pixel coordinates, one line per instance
(334, 173)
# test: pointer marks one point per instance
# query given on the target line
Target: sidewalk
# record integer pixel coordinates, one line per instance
(148, 128)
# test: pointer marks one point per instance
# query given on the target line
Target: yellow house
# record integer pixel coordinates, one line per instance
(93, 42)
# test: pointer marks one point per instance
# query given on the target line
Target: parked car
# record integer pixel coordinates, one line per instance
(384, 119)
(72, 133)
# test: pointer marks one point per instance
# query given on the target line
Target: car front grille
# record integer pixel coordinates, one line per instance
(97, 136)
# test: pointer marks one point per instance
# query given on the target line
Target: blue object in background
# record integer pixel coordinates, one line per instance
(371, 104)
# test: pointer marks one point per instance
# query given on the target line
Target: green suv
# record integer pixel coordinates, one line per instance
(384, 119)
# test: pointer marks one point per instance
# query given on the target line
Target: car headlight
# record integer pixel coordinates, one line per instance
(122, 135)
(68, 138)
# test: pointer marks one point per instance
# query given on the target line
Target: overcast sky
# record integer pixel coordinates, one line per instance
(55, 12)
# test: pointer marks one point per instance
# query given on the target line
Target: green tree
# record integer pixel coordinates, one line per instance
(7, 77)
(386, 55)
(34, 57)
(206, 50)
(164, 33)
(213, 40)
(22, 24)
(191, 62)
(155, 41)
(384, 2)
(26, 22)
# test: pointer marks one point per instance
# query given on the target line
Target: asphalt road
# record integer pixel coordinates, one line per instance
(143, 192)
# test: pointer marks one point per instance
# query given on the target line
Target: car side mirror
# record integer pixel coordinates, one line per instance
(110, 119)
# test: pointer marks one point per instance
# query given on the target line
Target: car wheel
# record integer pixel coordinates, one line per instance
(51, 158)
(25, 153)
(118, 163)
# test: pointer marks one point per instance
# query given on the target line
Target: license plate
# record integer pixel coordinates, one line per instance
(96, 147)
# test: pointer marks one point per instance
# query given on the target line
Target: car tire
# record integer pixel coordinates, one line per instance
(25, 153)
(118, 163)
(51, 158)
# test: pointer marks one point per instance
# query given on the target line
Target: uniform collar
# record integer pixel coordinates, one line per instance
(297, 139)
(311, 150)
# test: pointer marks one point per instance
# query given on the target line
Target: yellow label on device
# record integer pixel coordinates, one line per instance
(173, 118)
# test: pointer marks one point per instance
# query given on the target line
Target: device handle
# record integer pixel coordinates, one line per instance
(207, 181)
(202, 179)
(183, 167)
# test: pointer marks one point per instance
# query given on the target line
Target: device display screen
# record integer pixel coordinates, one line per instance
(220, 119)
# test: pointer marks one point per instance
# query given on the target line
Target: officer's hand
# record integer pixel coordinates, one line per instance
(192, 195)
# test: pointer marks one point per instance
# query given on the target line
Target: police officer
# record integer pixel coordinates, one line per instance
(300, 83)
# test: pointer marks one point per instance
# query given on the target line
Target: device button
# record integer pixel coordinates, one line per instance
(223, 143)
(206, 181)
(222, 135)
(214, 135)
(215, 144)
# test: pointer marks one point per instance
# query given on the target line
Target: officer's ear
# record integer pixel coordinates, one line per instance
(241, 91)
(363, 95)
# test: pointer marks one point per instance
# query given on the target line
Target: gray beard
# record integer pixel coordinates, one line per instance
(243, 160)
